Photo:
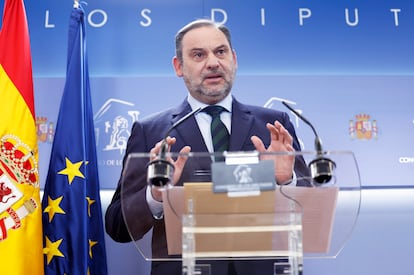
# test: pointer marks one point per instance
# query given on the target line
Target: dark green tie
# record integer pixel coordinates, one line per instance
(219, 133)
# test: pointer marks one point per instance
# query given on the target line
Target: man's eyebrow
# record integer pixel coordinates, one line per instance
(196, 49)
(222, 46)
(216, 48)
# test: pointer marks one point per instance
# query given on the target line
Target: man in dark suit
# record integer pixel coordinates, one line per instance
(207, 62)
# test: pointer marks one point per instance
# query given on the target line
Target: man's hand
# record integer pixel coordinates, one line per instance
(280, 141)
(178, 164)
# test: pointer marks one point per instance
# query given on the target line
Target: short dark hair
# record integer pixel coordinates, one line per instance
(195, 25)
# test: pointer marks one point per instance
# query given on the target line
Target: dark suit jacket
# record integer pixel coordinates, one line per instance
(246, 121)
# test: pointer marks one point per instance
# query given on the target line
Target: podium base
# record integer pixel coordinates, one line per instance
(280, 267)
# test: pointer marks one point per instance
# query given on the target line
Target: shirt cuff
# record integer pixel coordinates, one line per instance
(294, 180)
(155, 206)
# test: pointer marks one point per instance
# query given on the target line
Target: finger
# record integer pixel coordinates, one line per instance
(155, 150)
(258, 144)
(287, 137)
(290, 148)
(170, 141)
(183, 156)
(274, 133)
(180, 162)
(284, 134)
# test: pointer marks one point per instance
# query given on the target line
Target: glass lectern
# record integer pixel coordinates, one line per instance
(229, 207)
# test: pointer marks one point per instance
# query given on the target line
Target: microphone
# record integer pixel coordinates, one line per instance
(321, 167)
(160, 171)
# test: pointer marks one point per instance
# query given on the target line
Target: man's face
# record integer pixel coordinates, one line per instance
(209, 64)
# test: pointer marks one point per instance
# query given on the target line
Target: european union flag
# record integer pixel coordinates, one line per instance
(72, 215)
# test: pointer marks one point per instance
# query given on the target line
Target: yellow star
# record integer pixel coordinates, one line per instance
(91, 244)
(72, 170)
(52, 249)
(53, 207)
(90, 202)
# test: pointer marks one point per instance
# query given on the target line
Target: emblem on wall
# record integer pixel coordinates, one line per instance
(363, 127)
(45, 130)
(113, 122)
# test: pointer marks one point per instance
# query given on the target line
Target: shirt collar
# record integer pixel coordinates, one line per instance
(225, 103)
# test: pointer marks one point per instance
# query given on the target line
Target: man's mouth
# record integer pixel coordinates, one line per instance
(213, 77)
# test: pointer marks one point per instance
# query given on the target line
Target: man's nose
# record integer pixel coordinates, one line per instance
(212, 62)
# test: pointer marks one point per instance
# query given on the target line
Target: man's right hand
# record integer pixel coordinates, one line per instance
(178, 165)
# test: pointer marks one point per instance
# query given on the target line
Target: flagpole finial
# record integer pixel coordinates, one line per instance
(76, 4)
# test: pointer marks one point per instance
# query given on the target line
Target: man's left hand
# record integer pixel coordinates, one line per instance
(280, 141)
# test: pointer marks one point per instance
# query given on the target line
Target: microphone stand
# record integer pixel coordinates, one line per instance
(321, 167)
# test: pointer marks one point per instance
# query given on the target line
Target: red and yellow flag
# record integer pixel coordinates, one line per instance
(20, 208)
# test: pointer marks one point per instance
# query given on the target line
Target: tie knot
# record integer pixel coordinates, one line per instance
(214, 110)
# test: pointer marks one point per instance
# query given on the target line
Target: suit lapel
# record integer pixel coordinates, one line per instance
(187, 133)
(241, 124)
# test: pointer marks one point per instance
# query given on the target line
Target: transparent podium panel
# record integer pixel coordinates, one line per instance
(240, 229)
(233, 207)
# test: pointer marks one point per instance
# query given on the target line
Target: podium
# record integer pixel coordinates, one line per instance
(233, 210)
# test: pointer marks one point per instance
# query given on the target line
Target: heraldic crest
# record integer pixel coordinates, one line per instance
(18, 175)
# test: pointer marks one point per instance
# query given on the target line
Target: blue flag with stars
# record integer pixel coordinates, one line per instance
(72, 215)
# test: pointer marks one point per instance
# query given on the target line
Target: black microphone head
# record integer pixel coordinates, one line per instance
(160, 172)
(321, 170)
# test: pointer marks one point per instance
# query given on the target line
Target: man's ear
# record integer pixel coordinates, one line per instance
(178, 66)
(235, 58)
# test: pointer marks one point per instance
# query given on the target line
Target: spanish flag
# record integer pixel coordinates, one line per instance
(20, 208)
